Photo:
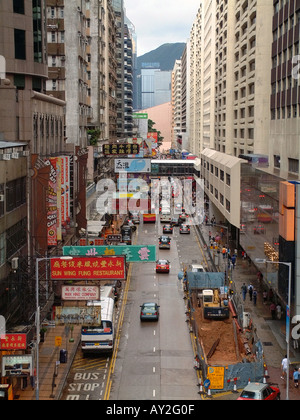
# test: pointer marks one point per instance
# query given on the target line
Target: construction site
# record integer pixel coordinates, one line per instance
(226, 338)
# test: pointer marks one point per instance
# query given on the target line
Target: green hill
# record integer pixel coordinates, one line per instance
(166, 55)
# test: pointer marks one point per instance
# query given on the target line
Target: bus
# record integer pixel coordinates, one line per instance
(98, 337)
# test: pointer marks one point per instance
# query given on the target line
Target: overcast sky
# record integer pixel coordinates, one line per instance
(159, 22)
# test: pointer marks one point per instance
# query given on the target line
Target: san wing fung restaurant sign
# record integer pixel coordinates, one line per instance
(94, 268)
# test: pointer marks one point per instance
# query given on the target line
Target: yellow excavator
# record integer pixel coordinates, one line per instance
(214, 307)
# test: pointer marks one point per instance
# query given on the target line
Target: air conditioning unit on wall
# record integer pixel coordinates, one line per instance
(5, 156)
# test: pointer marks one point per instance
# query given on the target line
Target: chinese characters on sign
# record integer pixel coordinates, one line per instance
(133, 253)
(13, 342)
(121, 149)
(98, 268)
(80, 293)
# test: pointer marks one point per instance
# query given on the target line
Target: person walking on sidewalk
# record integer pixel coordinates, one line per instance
(254, 297)
(284, 368)
(250, 290)
(244, 291)
(273, 310)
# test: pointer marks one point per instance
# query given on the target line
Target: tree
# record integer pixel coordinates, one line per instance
(151, 129)
(94, 136)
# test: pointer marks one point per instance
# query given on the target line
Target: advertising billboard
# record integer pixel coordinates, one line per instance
(88, 268)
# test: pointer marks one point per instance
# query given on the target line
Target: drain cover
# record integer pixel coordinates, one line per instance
(267, 343)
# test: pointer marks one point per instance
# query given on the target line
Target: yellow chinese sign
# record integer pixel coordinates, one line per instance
(216, 376)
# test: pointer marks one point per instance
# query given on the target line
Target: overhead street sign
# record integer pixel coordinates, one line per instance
(133, 253)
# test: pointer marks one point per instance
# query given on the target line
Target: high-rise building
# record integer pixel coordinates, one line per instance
(128, 81)
(185, 95)
(68, 64)
(177, 106)
(119, 13)
(155, 85)
(284, 152)
(195, 121)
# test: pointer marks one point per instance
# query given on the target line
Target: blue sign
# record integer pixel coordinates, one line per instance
(206, 383)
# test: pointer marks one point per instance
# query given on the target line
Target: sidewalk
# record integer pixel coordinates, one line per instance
(51, 386)
(271, 332)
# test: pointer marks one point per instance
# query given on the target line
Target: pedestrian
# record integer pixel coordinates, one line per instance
(224, 252)
(244, 291)
(259, 276)
(250, 290)
(254, 296)
(273, 310)
(278, 311)
(265, 295)
(233, 260)
(284, 367)
(296, 377)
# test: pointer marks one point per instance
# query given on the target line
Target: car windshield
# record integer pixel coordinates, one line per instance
(149, 307)
(250, 394)
(162, 262)
(164, 239)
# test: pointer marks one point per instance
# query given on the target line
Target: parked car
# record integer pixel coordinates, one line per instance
(167, 229)
(164, 242)
(162, 266)
(259, 391)
(149, 311)
(184, 229)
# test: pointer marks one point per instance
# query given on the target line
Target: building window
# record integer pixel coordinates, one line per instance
(228, 179)
(20, 44)
(16, 238)
(294, 165)
(37, 31)
(276, 161)
(222, 199)
(228, 205)
(2, 249)
(15, 194)
(2, 200)
(19, 7)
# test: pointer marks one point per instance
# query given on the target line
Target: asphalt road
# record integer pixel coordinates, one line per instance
(155, 359)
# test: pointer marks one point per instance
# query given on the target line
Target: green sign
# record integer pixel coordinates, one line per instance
(133, 253)
(140, 116)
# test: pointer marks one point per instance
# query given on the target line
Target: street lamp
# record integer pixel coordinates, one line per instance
(287, 335)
